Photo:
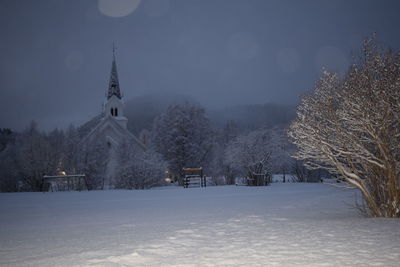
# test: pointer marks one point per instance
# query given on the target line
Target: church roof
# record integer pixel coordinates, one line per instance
(110, 122)
(113, 86)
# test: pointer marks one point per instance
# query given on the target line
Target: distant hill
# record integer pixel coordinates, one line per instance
(142, 110)
(253, 116)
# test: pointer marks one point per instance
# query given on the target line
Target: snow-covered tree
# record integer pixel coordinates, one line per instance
(92, 161)
(33, 157)
(9, 176)
(182, 134)
(71, 153)
(281, 150)
(301, 174)
(139, 170)
(33, 154)
(250, 154)
(350, 127)
(57, 146)
(219, 169)
(7, 137)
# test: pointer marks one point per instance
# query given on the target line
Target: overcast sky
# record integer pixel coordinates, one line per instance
(55, 56)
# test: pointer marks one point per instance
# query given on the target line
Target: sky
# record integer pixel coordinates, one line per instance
(55, 55)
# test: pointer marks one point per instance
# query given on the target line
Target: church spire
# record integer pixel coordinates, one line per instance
(113, 86)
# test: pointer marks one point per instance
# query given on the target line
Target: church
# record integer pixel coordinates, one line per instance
(112, 126)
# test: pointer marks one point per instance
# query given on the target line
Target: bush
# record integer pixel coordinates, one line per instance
(350, 126)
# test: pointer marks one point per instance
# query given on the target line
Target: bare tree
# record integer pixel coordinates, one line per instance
(302, 174)
(250, 155)
(71, 152)
(350, 127)
(9, 174)
(281, 150)
(220, 170)
(33, 158)
(139, 170)
(8, 162)
(56, 150)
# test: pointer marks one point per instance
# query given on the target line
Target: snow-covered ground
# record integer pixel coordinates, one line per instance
(280, 225)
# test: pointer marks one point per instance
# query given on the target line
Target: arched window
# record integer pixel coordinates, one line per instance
(116, 112)
(112, 112)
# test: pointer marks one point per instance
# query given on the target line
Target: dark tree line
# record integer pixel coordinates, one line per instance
(182, 136)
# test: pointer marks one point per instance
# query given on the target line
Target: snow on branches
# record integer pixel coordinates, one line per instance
(350, 127)
(182, 134)
(250, 155)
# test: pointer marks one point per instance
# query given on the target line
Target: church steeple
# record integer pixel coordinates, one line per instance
(113, 105)
(113, 86)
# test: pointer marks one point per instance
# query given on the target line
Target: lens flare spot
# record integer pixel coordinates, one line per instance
(117, 8)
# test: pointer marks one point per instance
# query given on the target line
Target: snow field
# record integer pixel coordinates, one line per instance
(280, 225)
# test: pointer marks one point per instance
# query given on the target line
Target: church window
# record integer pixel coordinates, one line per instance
(116, 112)
(112, 112)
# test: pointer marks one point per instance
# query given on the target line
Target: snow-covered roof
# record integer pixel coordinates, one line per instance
(109, 121)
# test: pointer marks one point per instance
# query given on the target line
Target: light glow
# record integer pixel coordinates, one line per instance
(117, 8)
